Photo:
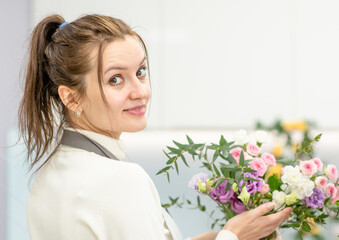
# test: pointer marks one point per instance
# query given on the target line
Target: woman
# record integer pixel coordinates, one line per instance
(88, 82)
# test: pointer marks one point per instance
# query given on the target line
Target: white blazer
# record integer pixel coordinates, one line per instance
(80, 195)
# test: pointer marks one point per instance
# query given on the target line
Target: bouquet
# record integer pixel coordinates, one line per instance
(238, 179)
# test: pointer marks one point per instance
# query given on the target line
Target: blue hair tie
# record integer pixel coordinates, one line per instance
(62, 25)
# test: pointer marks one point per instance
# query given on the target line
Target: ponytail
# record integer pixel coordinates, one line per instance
(36, 120)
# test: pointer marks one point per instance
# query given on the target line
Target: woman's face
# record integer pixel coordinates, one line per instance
(126, 87)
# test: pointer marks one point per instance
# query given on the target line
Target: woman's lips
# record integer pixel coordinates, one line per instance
(136, 111)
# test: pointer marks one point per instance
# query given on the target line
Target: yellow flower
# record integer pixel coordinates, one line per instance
(202, 186)
(209, 182)
(291, 198)
(235, 187)
(244, 196)
(278, 150)
(296, 125)
(315, 228)
(274, 170)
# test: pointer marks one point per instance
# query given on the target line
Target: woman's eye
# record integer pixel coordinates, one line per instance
(141, 72)
(116, 80)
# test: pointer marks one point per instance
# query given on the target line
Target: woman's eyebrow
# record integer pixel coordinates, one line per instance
(117, 67)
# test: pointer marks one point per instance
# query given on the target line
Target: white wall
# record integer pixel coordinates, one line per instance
(226, 63)
(14, 23)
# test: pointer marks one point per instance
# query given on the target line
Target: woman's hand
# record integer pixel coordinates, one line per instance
(252, 225)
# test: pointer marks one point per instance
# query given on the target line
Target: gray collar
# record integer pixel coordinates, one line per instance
(78, 140)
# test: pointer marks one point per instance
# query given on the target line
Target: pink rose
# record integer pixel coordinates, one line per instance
(265, 189)
(318, 162)
(321, 182)
(330, 190)
(331, 172)
(269, 159)
(259, 165)
(336, 198)
(236, 152)
(308, 168)
(253, 149)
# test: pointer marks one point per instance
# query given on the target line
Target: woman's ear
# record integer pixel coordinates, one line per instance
(69, 98)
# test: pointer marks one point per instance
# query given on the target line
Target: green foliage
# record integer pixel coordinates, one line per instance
(274, 182)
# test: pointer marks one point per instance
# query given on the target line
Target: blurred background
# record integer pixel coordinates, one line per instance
(216, 66)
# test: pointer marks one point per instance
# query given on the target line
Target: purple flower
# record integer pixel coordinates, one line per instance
(253, 186)
(237, 205)
(194, 181)
(316, 200)
(220, 195)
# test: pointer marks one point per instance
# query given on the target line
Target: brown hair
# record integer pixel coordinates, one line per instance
(61, 57)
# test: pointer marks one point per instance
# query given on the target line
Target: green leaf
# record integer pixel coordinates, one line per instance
(242, 158)
(216, 170)
(176, 167)
(168, 177)
(166, 154)
(300, 234)
(293, 225)
(198, 200)
(231, 166)
(174, 150)
(197, 146)
(224, 155)
(170, 161)
(163, 170)
(274, 182)
(206, 165)
(229, 185)
(231, 159)
(250, 170)
(174, 200)
(181, 146)
(225, 172)
(215, 155)
(251, 179)
(305, 226)
(285, 161)
(220, 181)
(324, 215)
(184, 160)
(222, 141)
(189, 140)
(317, 138)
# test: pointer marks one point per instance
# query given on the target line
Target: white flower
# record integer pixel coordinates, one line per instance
(304, 189)
(278, 198)
(241, 137)
(284, 187)
(297, 182)
(261, 136)
(291, 175)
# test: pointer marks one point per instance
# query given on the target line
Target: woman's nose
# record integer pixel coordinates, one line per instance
(139, 88)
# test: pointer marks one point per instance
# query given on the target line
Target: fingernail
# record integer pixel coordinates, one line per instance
(269, 205)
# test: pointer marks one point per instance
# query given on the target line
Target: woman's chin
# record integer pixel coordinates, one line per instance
(136, 128)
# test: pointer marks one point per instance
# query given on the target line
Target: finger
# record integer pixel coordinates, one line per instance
(261, 210)
(279, 217)
(287, 211)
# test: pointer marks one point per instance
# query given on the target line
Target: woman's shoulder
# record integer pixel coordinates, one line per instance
(91, 164)
(79, 170)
